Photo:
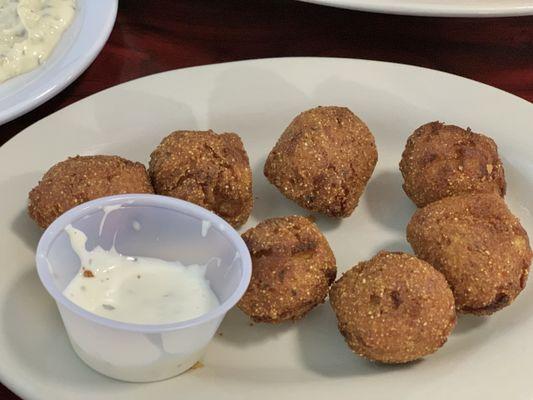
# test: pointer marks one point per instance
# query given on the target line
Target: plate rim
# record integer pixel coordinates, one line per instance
(413, 9)
(24, 132)
(21, 389)
(72, 71)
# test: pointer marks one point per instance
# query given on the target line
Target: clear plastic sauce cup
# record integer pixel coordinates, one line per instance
(144, 226)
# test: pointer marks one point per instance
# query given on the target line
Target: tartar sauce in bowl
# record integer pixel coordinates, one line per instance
(138, 290)
(130, 314)
(29, 31)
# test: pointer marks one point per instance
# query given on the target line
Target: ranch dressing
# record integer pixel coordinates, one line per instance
(140, 290)
(29, 31)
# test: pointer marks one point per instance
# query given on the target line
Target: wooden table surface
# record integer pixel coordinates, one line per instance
(177, 34)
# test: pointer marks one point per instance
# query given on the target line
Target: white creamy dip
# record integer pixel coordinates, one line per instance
(29, 31)
(139, 290)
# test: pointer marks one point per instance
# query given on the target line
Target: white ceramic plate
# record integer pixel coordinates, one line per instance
(489, 358)
(437, 8)
(78, 47)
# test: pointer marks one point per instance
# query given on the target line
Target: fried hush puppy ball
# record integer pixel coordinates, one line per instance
(393, 308)
(83, 178)
(205, 168)
(292, 269)
(445, 160)
(478, 245)
(323, 160)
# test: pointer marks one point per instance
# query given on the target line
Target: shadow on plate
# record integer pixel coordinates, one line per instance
(21, 224)
(324, 351)
(239, 330)
(387, 203)
(468, 323)
(26, 229)
(326, 223)
(396, 245)
(35, 333)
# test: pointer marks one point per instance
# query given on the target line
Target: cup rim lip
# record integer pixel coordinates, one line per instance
(56, 227)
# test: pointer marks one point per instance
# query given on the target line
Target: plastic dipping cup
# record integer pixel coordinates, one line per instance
(149, 226)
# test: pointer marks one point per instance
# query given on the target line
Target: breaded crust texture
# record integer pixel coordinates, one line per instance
(394, 308)
(292, 269)
(445, 160)
(205, 168)
(83, 178)
(323, 160)
(478, 245)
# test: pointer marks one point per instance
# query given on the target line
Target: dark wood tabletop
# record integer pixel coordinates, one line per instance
(161, 35)
(177, 34)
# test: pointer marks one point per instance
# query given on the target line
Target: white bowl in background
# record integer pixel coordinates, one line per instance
(76, 50)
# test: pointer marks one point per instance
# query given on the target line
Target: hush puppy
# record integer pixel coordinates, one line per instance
(83, 178)
(393, 308)
(205, 168)
(292, 269)
(478, 245)
(445, 160)
(323, 160)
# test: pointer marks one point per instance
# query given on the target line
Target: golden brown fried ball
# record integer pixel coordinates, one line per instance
(323, 160)
(292, 269)
(478, 245)
(83, 178)
(393, 308)
(205, 168)
(445, 160)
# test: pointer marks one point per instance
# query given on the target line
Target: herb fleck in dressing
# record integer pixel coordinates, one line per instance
(139, 290)
(29, 31)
